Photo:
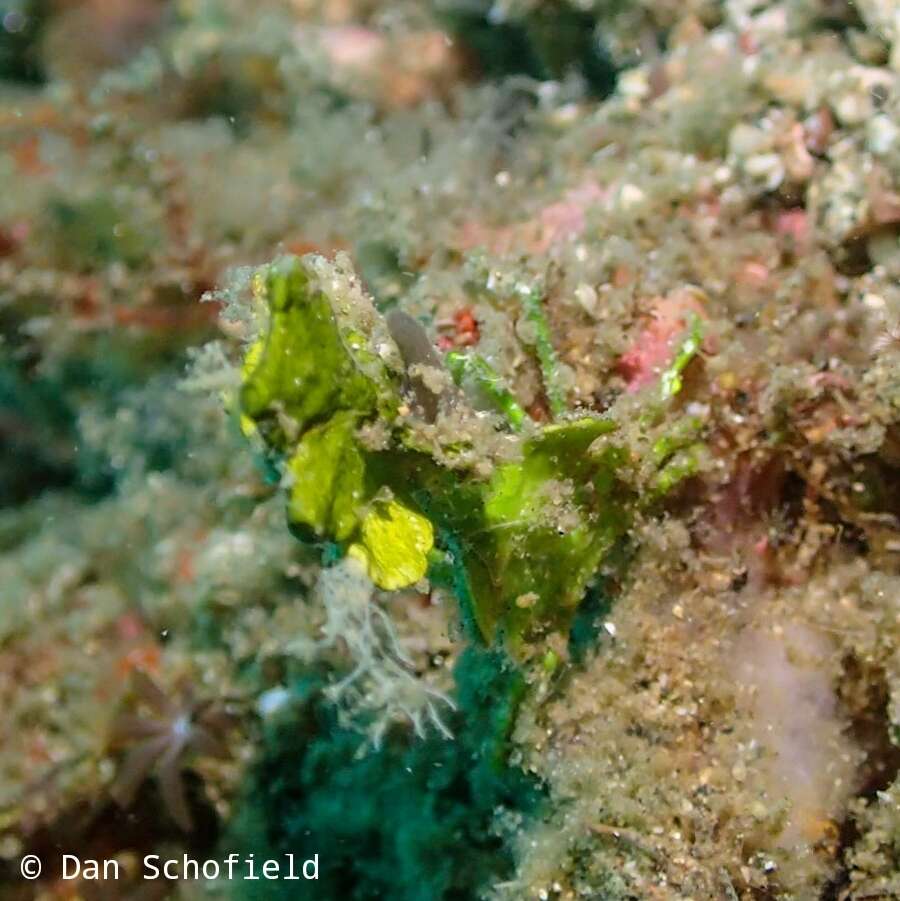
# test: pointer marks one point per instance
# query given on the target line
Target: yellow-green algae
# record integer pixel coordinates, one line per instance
(527, 538)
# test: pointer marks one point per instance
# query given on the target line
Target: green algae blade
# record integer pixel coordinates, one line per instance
(312, 362)
(327, 474)
(523, 542)
(552, 518)
(394, 545)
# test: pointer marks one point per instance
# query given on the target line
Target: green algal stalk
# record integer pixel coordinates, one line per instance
(488, 382)
(671, 381)
(678, 455)
(532, 306)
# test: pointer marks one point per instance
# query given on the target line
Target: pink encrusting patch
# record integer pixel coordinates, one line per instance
(785, 674)
(564, 220)
(794, 224)
(657, 340)
(352, 46)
